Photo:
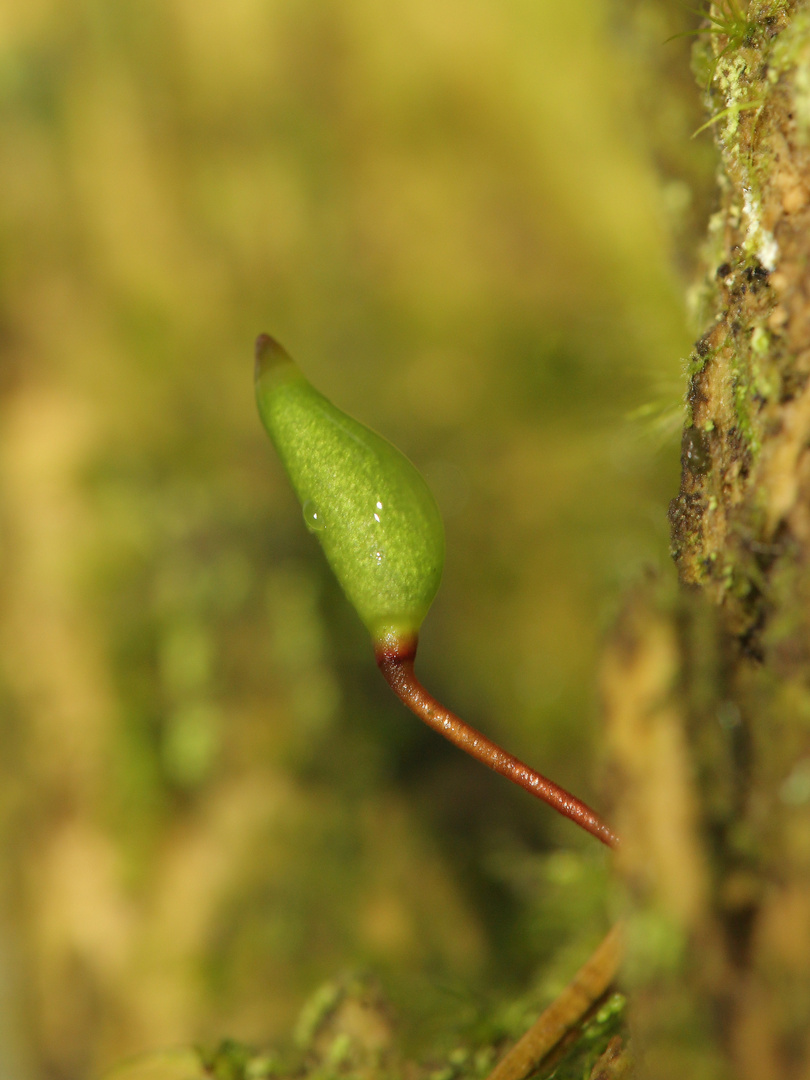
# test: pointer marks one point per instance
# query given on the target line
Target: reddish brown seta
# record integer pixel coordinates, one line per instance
(395, 659)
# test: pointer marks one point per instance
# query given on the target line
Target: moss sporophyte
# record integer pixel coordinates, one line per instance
(382, 534)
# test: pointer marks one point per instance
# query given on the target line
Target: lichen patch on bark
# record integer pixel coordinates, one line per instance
(734, 696)
(749, 372)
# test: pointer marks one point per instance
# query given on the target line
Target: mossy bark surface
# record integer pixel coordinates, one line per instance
(707, 686)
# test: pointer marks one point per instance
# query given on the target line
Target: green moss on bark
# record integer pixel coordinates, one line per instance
(724, 717)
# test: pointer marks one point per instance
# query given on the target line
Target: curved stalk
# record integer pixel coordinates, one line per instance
(395, 659)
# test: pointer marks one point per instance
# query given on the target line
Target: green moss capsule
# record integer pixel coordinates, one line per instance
(372, 512)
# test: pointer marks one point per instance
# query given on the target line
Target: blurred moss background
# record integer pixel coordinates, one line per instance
(470, 223)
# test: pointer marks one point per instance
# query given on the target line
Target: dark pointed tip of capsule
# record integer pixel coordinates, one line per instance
(269, 354)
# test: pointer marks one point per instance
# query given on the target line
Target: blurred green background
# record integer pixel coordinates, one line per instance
(470, 222)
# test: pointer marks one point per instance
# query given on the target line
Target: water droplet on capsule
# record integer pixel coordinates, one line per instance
(313, 519)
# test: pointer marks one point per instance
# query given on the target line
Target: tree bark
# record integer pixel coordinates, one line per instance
(707, 685)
